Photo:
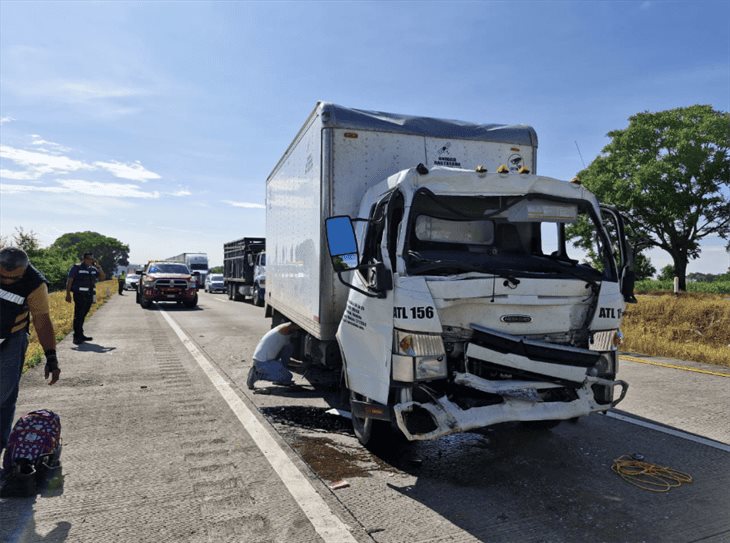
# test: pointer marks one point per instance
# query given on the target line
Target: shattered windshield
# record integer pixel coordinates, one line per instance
(507, 235)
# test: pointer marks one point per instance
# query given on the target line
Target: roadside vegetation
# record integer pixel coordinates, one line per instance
(693, 326)
(666, 286)
(62, 316)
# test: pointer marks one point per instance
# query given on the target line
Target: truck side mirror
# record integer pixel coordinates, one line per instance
(341, 243)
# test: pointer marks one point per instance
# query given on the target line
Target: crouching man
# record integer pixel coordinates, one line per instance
(271, 357)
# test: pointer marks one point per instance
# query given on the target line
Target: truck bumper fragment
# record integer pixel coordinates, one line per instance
(520, 404)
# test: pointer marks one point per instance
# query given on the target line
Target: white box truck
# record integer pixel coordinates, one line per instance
(451, 294)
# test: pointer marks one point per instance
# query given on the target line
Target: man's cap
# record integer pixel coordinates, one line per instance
(88, 254)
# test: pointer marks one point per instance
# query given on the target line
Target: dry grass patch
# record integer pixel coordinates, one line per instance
(62, 317)
(688, 327)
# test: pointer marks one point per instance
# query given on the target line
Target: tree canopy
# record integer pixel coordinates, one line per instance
(669, 173)
(109, 252)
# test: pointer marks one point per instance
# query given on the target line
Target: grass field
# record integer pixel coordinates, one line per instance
(62, 315)
(691, 326)
(650, 286)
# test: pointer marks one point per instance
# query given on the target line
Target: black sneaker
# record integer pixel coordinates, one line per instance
(252, 378)
(86, 338)
(78, 341)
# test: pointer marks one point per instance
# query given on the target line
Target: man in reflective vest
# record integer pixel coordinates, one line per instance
(23, 294)
(121, 280)
(82, 282)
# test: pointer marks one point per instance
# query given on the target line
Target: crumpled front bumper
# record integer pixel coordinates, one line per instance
(558, 365)
(520, 404)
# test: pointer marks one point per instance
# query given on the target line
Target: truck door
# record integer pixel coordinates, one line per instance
(622, 252)
(365, 333)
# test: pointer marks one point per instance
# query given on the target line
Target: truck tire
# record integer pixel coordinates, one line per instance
(146, 303)
(258, 297)
(192, 303)
(371, 433)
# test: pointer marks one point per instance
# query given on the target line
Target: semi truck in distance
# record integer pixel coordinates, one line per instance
(239, 267)
(427, 260)
(196, 262)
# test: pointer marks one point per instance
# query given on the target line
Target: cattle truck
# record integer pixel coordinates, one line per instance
(451, 295)
(239, 264)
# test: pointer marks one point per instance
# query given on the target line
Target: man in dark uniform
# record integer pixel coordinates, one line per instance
(121, 280)
(82, 281)
(23, 293)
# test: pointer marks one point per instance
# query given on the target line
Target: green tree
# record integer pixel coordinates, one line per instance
(54, 264)
(669, 174)
(667, 273)
(643, 268)
(216, 269)
(109, 252)
(28, 241)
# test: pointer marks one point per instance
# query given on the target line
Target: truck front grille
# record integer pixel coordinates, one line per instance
(171, 283)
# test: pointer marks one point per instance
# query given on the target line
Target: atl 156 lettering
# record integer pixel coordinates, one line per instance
(420, 312)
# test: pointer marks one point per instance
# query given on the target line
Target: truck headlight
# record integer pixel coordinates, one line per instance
(412, 344)
(418, 357)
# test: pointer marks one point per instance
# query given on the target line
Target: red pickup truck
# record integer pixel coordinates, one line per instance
(167, 282)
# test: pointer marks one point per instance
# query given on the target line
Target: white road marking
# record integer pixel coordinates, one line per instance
(670, 431)
(219, 300)
(325, 522)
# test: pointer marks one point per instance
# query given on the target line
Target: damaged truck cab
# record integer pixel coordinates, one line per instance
(466, 308)
(424, 258)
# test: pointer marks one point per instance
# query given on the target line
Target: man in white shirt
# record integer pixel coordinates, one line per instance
(271, 356)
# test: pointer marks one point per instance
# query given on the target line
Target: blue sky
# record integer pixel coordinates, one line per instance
(157, 123)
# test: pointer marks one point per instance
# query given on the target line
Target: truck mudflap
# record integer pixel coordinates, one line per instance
(521, 403)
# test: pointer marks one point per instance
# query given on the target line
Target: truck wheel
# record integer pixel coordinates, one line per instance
(192, 303)
(145, 303)
(371, 433)
(258, 298)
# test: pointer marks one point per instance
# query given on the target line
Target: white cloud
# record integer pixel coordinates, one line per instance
(181, 192)
(247, 205)
(80, 91)
(17, 175)
(111, 190)
(38, 164)
(76, 91)
(79, 186)
(133, 172)
(38, 140)
(4, 120)
(17, 189)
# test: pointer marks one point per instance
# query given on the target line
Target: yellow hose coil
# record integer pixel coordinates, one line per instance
(649, 476)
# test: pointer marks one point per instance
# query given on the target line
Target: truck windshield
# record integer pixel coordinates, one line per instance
(513, 235)
(169, 268)
(198, 266)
